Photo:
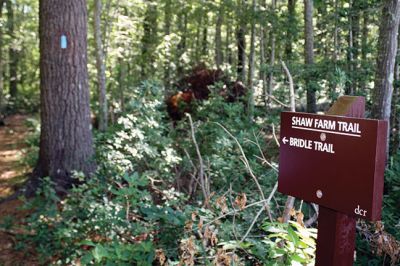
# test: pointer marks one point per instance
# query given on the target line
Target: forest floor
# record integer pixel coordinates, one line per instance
(12, 176)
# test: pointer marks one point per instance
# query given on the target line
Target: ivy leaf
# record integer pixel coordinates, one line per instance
(99, 252)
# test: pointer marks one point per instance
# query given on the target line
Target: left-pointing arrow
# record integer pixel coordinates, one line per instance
(284, 140)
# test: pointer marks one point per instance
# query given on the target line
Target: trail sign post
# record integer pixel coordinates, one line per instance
(337, 161)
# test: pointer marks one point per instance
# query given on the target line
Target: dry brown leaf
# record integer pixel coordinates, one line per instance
(188, 252)
(160, 259)
(300, 218)
(221, 204)
(241, 201)
(188, 226)
(222, 259)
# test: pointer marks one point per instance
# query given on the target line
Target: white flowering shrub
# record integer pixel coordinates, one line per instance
(141, 142)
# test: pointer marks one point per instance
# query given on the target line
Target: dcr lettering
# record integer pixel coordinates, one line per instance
(359, 211)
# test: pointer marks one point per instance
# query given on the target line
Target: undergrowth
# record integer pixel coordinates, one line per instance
(159, 199)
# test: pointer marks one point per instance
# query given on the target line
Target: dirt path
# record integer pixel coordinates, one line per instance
(12, 176)
(12, 136)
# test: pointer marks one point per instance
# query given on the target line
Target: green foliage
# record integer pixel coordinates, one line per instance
(391, 199)
(290, 244)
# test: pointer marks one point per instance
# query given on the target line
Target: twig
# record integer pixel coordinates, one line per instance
(291, 87)
(232, 212)
(252, 224)
(276, 100)
(201, 177)
(245, 161)
(274, 134)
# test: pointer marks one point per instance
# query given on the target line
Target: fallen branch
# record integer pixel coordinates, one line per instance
(248, 167)
(201, 176)
(291, 87)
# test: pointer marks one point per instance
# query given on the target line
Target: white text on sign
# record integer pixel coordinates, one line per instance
(309, 144)
(327, 125)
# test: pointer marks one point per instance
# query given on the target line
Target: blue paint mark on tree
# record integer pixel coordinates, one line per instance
(64, 42)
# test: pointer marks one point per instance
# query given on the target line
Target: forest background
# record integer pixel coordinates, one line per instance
(165, 188)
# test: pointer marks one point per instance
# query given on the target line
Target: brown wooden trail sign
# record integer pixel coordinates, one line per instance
(337, 161)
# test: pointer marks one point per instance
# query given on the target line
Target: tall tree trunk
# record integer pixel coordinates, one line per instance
(149, 39)
(101, 68)
(122, 83)
(336, 33)
(218, 36)
(167, 31)
(364, 50)
(350, 57)
(291, 28)
(66, 143)
(250, 77)
(270, 84)
(204, 43)
(387, 48)
(263, 64)
(309, 54)
(12, 52)
(228, 50)
(250, 105)
(335, 52)
(241, 43)
(182, 26)
(395, 118)
(1, 65)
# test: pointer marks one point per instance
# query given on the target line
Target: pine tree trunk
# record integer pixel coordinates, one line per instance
(12, 52)
(149, 40)
(122, 84)
(167, 31)
(1, 66)
(291, 21)
(250, 105)
(270, 83)
(364, 50)
(182, 27)
(395, 118)
(101, 68)
(241, 43)
(204, 43)
(263, 63)
(309, 54)
(66, 139)
(228, 50)
(218, 37)
(387, 48)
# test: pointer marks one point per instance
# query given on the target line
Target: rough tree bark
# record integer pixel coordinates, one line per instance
(101, 68)
(263, 74)
(364, 48)
(250, 78)
(1, 65)
(290, 32)
(218, 36)
(241, 43)
(309, 54)
(167, 31)
(66, 139)
(395, 119)
(149, 39)
(387, 47)
(204, 43)
(182, 27)
(12, 51)
(270, 84)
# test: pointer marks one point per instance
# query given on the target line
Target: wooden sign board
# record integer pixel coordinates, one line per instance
(334, 161)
